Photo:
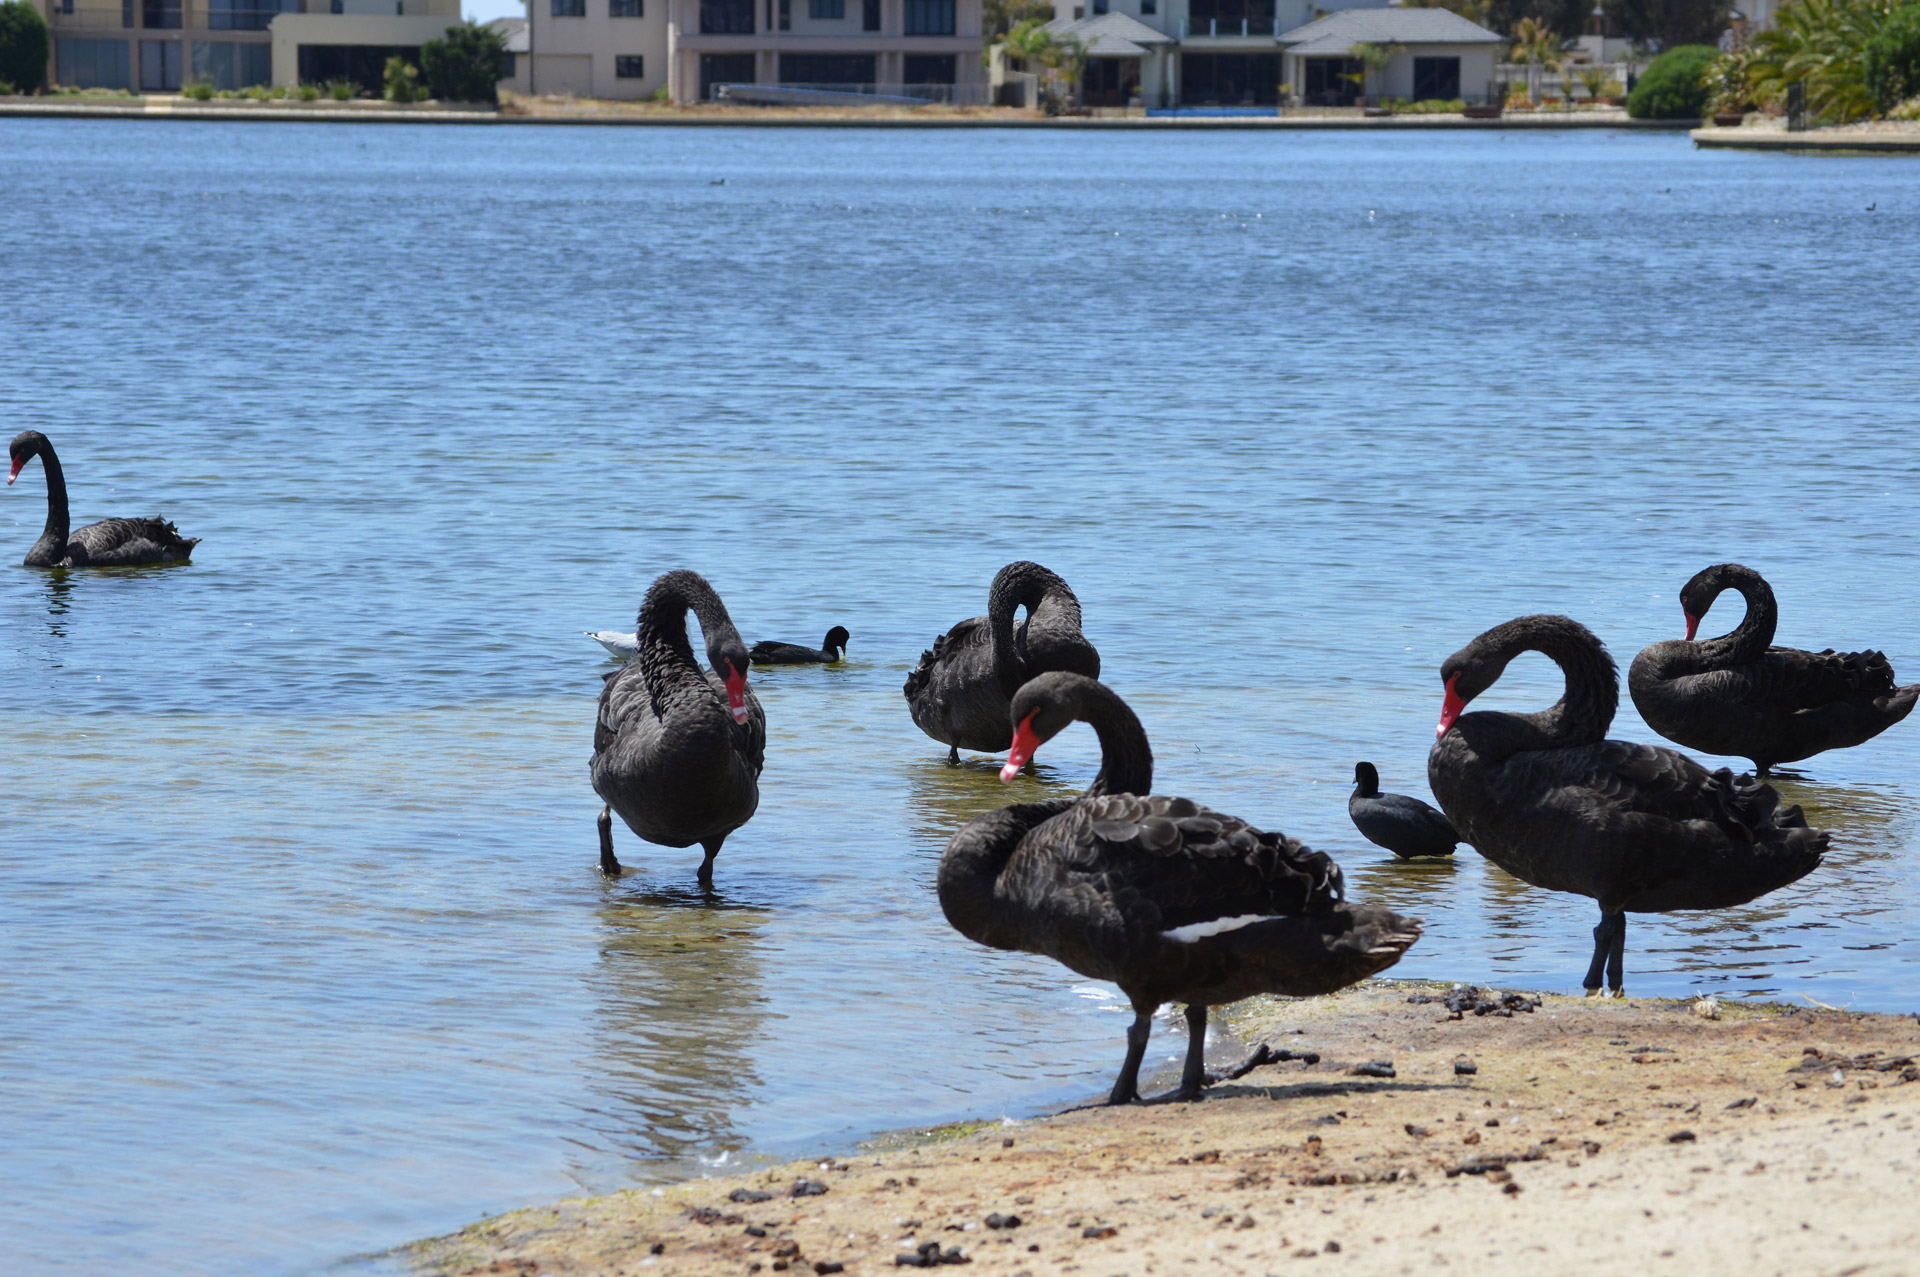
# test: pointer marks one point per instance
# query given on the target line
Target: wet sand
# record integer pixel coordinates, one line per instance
(1589, 1136)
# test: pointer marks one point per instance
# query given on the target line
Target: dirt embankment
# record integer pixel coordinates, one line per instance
(1578, 1136)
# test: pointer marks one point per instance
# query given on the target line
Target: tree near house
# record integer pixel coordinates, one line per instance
(1063, 60)
(465, 64)
(1538, 47)
(1823, 44)
(1374, 60)
(998, 17)
(23, 46)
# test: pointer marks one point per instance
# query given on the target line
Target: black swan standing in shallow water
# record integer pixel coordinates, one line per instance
(959, 692)
(832, 648)
(1738, 695)
(1170, 901)
(677, 750)
(1639, 828)
(1403, 825)
(108, 543)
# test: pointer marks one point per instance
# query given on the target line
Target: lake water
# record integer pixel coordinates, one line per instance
(302, 948)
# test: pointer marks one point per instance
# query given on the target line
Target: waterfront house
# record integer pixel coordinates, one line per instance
(1244, 53)
(635, 48)
(158, 46)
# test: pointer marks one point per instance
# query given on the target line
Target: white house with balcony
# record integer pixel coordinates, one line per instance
(1259, 53)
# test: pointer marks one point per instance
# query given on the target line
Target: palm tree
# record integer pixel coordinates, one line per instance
(1375, 58)
(1538, 47)
(1820, 43)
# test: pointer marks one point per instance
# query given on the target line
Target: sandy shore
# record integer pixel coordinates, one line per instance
(1588, 1136)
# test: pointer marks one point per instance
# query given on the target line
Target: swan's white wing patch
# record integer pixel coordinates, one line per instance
(1213, 927)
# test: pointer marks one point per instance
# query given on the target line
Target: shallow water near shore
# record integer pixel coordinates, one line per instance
(302, 948)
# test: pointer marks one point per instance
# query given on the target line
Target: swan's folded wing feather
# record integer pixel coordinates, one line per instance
(1650, 781)
(971, 632)
(1797, 680)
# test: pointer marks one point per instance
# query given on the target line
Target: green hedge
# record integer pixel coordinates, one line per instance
(1891, 59)
(466, 64)
(23, 46)
(1673, 88)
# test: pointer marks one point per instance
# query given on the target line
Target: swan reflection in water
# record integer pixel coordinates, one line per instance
(681, 1010)
(942, 799)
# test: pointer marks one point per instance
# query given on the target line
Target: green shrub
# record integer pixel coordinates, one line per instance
(1673, 87)
(1891, 59)
(403, 81)
(466, 64)
(23, 45)
(6, 88)
(342, 90)
(308, 93)
(259, 93)
(198, 90)
(1908, 110)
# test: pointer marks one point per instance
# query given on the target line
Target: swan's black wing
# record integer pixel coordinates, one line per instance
(972, 632)
(1795, 680)
(129, 542)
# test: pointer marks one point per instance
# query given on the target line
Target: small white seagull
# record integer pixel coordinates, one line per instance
(617, 644)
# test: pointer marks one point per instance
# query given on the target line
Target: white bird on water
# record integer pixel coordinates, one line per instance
(617, 644)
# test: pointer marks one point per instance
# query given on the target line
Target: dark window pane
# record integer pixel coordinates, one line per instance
(726, 17)
(1253, 12)
(870, 15)
(826, 68)
(92, 64)
(929, 17)
(160, 15)
(927, 68)
(569, 8)
(630, 67)
(1436, 78)
(724, 68)
(826, 8)
(626, 9)
(1233, 79)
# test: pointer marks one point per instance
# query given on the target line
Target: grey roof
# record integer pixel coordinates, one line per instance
(1337, 33)
(1111, 35)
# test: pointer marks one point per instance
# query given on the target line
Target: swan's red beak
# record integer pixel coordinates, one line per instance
(1024, 743)
(1449, 709)
(737, 695)
(15, 472)
(1693, 623)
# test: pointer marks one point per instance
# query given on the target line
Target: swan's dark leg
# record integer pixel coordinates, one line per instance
(1617, 956)
(1602, 938)
(1193, 1079)
(609, 863)
(1126, 1087)
(953, 755)
(706, 866)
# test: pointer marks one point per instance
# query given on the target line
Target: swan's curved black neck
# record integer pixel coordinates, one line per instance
(1585, 710)
(1018, 585)
(664, 651)
(1749, 640)
(52, 545)
(1056, 699)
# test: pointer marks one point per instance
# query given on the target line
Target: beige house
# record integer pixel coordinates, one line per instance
(158, 46)
(1439, 55)
(596, 48)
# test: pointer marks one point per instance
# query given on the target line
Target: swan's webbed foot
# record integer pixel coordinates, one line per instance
(953, 755)
(1126, 1087)
(706, 866)
(609, 863)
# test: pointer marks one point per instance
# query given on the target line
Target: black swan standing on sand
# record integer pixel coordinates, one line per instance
(1172, 902)
(677, 750)
(1403, 825)
(108, 543)
(959, 692)
(1738, 695)
(832, 648)
(1639, 828)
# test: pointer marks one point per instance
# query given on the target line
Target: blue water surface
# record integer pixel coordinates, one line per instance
(302, 948)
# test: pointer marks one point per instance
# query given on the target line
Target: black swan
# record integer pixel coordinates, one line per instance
(1637, 827)
(959, 692)
(832, 648)
(677, 750)
(1172, 902)
(108, 543)
(1737, 695)
(1403, 825)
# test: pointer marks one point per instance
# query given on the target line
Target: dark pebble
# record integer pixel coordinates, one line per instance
(754, 1230)
(1333, 1248)
(808, 1188)
(1465, 1068)
(1373, 1068)
(1747, 1103)
(1681, 1137)
(1418, 1132)
(748, 1195)
(1099, 1231)
(658, 1248)
(997, 1220)
(824, 1266)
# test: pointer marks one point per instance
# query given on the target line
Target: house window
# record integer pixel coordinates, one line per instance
(227, 65)
(724, 68)
(509, 65)
(160, 15)
(827, 68)
(126, 13)
(870, 15)
(1234, 11)
(626, 9)
(630, 66)
(92, 64)
(826, 8)
(926, 68)
(1099, 7)
(160, 65)
(929, 17)
(786, 15)
(1149, 7)
(726, 17)
(569, 8)
(246, 15)
(1436, 78)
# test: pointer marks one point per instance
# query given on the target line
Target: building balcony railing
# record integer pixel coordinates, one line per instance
(93, 18)
(1230, 28)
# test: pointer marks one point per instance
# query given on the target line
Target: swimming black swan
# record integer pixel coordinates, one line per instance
(1172, 902)
(1639, 828)
(677, 750)
(1403, 825)
(959, 692)
(108, 543)
(1737, 695)
(832, 648)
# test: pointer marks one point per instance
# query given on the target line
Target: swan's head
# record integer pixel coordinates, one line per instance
(1042, 709)
(837, 640)
(1698, 594)
(1466, 674)
(730, 662)
(25, 445)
